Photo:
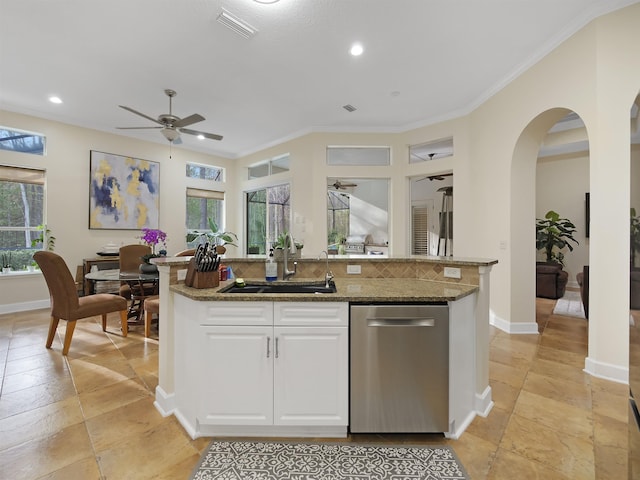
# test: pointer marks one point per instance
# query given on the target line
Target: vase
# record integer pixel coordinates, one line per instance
(148, 268)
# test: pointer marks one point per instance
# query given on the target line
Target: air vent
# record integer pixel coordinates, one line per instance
(234, 23)
(349, 108)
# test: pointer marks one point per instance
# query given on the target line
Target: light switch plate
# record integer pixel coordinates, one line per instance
(451, 272)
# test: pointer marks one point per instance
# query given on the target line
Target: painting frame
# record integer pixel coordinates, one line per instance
(124, 192)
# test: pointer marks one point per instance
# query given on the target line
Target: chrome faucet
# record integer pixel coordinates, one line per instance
(289, 247)
(328, 276)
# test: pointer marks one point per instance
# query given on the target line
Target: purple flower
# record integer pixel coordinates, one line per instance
(152, 237)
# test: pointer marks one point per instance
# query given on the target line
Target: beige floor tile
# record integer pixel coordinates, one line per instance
(84, 469)
(39, 422)
(559, 370)
(507, 374)
(556, 415)
(475, 454)
(504, 396)
(576, 394)
(41, 358)
(492, 427)
(611, 462)
(609, 432)
(103, 369)
(568, 455)
(33, 397)
(509, 465)
(114, 426)
(561, 356)
(151, 452)
(116, 396)
(40, 457)
(35, 377)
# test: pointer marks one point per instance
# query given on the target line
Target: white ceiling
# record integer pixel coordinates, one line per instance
(424, 61)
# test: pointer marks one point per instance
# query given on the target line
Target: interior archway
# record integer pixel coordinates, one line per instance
(523, 214)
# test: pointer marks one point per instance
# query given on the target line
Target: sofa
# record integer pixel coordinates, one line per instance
(551, 280)
(583, 281)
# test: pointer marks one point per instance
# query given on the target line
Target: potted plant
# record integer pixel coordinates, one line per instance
(45, 238)
(279, 244)
(152, 237)
(6, 262)
(553, 234)
(215, 236)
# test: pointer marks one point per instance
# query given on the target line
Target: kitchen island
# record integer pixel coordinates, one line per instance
(277, 364)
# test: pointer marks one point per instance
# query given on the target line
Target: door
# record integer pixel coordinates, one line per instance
(311, 375)
(236, 375)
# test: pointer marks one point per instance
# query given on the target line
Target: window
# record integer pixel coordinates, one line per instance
(21, 141)
(364, 156)
(205, 172)
(426, 152)
(269, 167)
(203, 205)
(268, 216)
(338, 214)
(21, 213)
(420, 230)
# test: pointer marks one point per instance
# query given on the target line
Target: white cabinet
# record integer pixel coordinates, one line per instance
(264, 368)
(237, 374)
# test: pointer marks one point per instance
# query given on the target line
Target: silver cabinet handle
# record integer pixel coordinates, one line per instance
(400, 322)
(268, 346)
(277, 352)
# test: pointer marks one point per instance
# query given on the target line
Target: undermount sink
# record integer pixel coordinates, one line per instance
(288, 288)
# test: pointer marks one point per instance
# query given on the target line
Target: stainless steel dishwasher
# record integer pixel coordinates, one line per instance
(399, 368)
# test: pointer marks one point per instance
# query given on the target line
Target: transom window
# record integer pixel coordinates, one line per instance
(21, 141)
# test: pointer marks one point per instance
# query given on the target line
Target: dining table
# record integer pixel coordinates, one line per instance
(142, 286)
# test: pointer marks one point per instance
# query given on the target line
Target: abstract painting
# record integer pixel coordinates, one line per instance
(124, 192)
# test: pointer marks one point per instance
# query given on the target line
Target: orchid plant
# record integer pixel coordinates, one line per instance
(152, 237)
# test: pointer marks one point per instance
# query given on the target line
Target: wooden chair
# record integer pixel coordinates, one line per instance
(130, 259)
(152, 303)
(65, 303)
(151, 306)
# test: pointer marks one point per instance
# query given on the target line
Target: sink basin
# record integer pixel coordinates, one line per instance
(281, 288)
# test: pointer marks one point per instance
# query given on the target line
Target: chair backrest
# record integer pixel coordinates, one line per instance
(186, 253)
(62, 288)
(130, 257)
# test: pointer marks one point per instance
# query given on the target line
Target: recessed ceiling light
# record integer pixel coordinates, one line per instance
(201, 137)
(266, 1)
(356, 49)
(55, 99)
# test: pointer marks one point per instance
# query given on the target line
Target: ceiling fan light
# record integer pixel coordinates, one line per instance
(170, 134)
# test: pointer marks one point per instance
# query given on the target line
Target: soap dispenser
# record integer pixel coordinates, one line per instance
(271, 268)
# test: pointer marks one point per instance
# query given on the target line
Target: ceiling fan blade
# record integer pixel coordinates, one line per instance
(210, 136)
(141, 114)
(191, 119)
(136, 128)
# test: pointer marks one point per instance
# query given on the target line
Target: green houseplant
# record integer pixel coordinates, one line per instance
(45, 238)
(634, 236)
(215, 236)
(553, 234)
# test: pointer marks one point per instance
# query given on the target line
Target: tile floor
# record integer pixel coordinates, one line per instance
(91, 415)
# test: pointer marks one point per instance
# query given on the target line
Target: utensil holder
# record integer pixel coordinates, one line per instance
(198, 279)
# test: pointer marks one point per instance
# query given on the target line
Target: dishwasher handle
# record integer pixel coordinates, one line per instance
(401, 322)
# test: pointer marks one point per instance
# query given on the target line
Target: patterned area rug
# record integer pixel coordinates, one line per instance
(242, 460)
(570, 305)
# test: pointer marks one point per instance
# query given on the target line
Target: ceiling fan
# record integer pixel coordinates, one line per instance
(171, 126)
(338, 185)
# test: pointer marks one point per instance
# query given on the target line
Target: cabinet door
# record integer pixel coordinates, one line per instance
(311, 376)
(236, 375)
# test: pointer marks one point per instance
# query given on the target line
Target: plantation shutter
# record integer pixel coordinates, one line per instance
(420, 230)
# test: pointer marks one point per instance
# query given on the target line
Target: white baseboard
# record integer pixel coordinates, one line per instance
(165, 403)
(513, 327)
(606, 371)
(25, 306)
(484, 403)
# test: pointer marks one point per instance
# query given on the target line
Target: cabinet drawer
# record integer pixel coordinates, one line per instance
(317, 314)
(232, 313)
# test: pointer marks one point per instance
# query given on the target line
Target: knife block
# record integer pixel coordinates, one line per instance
(198, 279)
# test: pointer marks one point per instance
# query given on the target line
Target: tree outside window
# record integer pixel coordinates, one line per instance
(268, 216)
(21, 213)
